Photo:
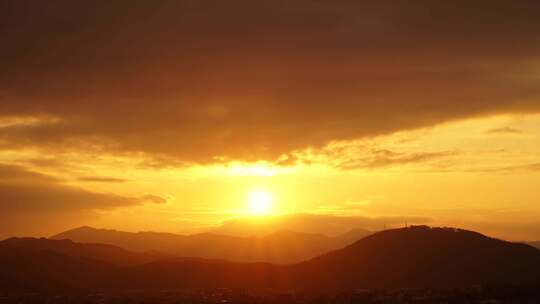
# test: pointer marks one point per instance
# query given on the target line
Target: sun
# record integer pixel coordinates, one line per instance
(259, 202)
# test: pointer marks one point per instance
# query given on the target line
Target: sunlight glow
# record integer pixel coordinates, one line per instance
(257, 169)
(259, 202)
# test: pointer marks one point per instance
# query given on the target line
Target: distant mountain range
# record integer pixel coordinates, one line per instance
(101, 252)
(401, 258)
(282, 247)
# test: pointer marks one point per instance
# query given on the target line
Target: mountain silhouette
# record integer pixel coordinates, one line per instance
(30, 269)
(421, 256)
(101, 252)
(282, 247)
(413, 257)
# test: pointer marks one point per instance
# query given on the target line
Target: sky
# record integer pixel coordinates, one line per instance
(170, 115)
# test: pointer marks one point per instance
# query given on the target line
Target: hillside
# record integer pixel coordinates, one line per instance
(424, 257)
(282, 247)
(413, 257)
(101, 252)
(26, 269)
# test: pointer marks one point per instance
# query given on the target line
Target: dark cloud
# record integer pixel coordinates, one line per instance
(27, 193)
(37, 204)
(505, 130)
(195, 80)
(11, 174)
(44, 198)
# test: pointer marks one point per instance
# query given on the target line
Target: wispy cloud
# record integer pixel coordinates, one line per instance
(386, 158)
(532, 167)
(368, 155)
(101, 179)
(23, 191)
(504, 130)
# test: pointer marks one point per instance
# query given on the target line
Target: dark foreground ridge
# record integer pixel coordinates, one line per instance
(414, 257)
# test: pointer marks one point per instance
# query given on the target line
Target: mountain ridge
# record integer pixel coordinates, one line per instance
(95, 251)
(412, 257)
(425, 256)
(281, 247)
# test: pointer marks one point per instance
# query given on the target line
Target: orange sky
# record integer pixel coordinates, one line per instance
(169, 115)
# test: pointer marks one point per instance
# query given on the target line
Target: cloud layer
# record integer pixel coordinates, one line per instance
(199, 81)
(36, 201)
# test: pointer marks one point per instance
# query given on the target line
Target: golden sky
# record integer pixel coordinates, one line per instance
(173, 115)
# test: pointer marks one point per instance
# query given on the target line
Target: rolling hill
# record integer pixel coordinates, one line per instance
(413, 257)
(101, 252)
(30, 269)
(421, 256)
(282, 247)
